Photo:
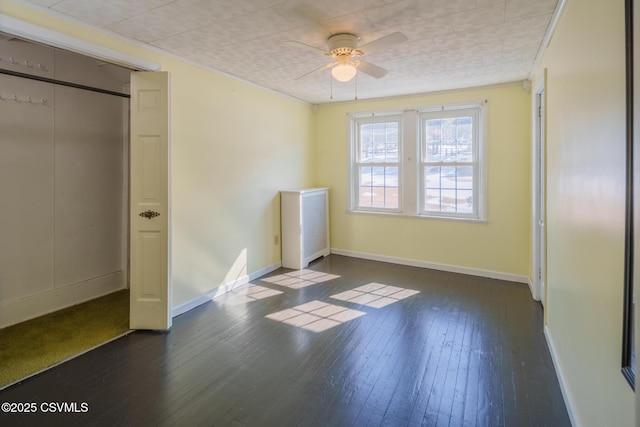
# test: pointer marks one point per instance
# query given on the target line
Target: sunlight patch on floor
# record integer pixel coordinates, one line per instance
(316, 316)
(375, 295)
(300, 278)
(246, 293)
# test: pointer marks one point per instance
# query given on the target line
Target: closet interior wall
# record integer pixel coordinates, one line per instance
(63, 181)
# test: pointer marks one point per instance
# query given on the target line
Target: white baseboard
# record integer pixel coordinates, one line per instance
(222, 289)
(435, 266)
(534, 294)
(266, 270)
(568, 401)
(32, 306)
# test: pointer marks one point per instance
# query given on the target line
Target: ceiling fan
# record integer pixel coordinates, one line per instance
(346, 53)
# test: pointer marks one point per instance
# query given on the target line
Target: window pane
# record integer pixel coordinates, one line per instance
(448, 139)
(366, 175)
(391, 197)
(464, 177)
(432, 199)
(366, 152)
(365, 178)
(379, 142)
(391, 187)
(464, 138)
(433, 138)
(448, 177)
(448, 189)
(448, 200)
(464, 201)
(391, 149)
(391, 141)
(432, 177)
(379, 187)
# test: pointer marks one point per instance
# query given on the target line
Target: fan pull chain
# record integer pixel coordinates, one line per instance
(356, 87)
(331, 85)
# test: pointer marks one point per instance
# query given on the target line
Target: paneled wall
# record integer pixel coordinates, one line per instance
(63, 166)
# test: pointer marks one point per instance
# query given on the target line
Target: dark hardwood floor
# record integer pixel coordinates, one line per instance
(346, 342)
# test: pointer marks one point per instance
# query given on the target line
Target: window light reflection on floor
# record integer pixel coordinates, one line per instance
(316, 316)
(246, 293)
(375, 295)
(300, 278)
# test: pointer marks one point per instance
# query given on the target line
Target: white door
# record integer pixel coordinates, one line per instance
(150, 306)
(540, 244)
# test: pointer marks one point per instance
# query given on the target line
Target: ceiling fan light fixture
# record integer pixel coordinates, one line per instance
(343, 72)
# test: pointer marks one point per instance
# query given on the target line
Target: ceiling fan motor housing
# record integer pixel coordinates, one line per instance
(343, 47)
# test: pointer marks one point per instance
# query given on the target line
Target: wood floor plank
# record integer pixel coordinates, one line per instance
(463, 351)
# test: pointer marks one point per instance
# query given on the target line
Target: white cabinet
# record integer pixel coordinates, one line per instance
(305, 226)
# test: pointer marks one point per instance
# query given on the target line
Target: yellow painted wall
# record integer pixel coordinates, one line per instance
(233, 148)
(585, 208)
(502, 244)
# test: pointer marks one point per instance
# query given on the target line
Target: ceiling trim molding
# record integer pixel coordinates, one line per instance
(547, 37)
(35, 33)
(521, 83)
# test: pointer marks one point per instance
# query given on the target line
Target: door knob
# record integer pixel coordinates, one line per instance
(149, 214)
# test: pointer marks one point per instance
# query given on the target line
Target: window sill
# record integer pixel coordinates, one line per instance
(403, 215)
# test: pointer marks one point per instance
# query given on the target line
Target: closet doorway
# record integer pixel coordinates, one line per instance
(145, 261)
(64, 165)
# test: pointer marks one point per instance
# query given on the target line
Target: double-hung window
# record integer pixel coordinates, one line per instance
(424, 162)
(376, 168)
(449, 163)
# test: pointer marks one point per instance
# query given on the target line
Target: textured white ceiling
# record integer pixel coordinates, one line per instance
(452, 43)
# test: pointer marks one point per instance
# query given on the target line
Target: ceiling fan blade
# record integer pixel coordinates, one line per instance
(383, 43)
(331, 64)
(307, 47)
(371, 69)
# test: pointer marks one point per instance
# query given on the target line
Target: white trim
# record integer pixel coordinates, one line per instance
(54, 299)
(547, 37)
(428, 217)
(410, 159)
(222, 289)
(568, 400)
(266, 270)
(374, 114)
(464, 89)
(538, 194)
(530, 283)
(356, 164)
(477, 111)
(434, 266)
(38, 34)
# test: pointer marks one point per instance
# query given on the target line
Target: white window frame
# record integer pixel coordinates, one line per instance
(475, 162)
(355, 163)
(411, 177)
